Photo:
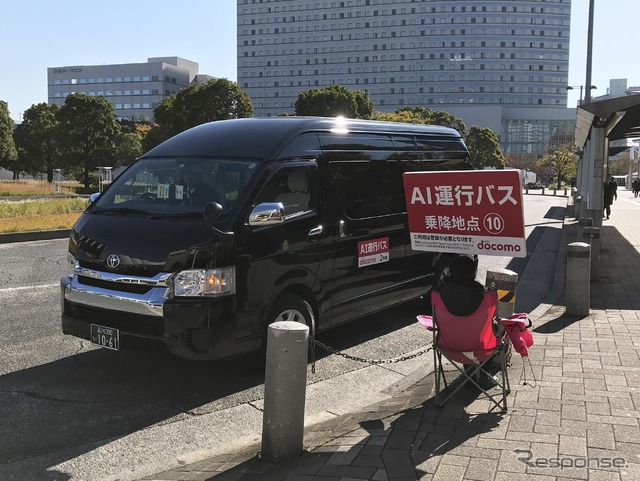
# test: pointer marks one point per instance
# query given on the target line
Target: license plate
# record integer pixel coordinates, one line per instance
(105, 336)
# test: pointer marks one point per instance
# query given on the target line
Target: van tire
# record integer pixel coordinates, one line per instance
(292, 308)
(289, 307)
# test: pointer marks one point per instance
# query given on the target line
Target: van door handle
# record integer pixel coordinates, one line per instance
(342, 228)
(314, 234)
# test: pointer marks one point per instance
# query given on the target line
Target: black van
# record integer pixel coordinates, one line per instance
(232, 225)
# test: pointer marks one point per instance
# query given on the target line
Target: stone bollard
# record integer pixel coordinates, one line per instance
(591, 236)
(577, 206)
(578, 279)
(285, 387)
(505, 282)
(582, 223)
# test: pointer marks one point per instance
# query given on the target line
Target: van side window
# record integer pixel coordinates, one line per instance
(296, 188)
(369, 188)
(367, 169)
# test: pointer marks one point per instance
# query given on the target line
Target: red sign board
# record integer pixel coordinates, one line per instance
(373, 251)
(468, 212)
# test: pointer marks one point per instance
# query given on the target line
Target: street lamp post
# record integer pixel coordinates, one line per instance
(571, 87)
(587, 96)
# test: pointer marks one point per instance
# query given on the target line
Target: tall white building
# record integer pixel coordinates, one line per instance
(492, 63)
(134, 89)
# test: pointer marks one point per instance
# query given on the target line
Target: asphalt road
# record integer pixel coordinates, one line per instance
(70, 411)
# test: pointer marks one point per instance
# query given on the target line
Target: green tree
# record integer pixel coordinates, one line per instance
(8, 151)
(217, 99)
(399, 116)
(619, 164)
(436, 117)
(88, 135)
(129, 148)
(560, 158)
(334, 101)
(521, 161)
(484, 148)
(37, 140)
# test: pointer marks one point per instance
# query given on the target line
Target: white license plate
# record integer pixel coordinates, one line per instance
(105, 336)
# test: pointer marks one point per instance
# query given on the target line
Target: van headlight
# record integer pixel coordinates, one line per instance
(205, 282)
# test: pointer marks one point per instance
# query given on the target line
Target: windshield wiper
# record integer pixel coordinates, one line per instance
(121, 210)
(177, 215)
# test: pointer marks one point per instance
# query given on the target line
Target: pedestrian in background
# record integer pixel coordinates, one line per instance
(610, 194)
(635, 187)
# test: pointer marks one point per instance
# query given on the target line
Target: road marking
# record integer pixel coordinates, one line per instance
(24, 288)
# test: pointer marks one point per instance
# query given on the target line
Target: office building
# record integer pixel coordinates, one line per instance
(617, 88)
(498, 64)
(134, 89)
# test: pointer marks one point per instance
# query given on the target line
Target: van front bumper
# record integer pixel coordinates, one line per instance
(149, 321)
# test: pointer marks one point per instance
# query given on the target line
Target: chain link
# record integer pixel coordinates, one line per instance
(370, 361)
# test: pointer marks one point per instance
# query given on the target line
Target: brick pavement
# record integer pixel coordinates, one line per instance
(580, 408)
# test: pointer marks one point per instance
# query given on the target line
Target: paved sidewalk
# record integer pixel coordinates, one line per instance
(576, 418)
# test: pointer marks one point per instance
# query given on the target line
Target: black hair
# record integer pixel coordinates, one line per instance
(463, 267)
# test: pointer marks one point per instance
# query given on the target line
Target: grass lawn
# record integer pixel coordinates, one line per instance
(38, 222)
(36, 187)
(41, 214)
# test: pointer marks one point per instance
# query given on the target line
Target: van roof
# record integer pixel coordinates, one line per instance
(263, 138)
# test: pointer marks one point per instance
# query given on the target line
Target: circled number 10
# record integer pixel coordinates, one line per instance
(494, 223)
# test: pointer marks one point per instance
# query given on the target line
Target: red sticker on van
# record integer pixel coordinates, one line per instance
(373, 251)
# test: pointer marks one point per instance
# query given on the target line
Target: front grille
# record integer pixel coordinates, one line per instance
(115, 286)
(124, 321)
(131, 270)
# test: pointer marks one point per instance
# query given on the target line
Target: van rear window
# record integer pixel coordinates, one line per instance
(370, 187)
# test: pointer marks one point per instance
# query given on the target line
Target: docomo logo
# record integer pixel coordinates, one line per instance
(489, 246)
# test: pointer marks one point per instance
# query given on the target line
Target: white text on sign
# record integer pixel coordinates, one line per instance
(463, 195)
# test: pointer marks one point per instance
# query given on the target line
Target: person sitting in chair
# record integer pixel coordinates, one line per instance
(460, 292)
(462, 295)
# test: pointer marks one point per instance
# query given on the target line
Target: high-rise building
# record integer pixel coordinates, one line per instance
(497, 64)
(134, 89)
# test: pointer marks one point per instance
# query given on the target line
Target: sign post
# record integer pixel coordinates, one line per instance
(466, 212)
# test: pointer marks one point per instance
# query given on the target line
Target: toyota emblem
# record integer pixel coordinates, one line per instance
(113, 261)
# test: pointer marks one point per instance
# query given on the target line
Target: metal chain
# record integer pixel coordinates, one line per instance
(371, 361)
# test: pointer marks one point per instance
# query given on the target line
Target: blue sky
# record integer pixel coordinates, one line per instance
(42, 33)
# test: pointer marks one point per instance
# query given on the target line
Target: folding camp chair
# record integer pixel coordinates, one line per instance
(471, 341)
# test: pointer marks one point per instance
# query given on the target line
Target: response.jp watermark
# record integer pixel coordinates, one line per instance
(526, 456)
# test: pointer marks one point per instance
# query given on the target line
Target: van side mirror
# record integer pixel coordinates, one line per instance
(211, 212)
(93, 197)
(267, 213)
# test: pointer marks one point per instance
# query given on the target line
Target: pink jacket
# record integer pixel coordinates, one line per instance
(516, 328)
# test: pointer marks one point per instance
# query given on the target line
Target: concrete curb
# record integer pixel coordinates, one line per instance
(34, 235)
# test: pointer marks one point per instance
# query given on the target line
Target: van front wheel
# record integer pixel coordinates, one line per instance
(293, 308)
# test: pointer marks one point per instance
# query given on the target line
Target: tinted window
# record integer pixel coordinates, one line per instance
(174, 186)
(295, 187)
(369, 177)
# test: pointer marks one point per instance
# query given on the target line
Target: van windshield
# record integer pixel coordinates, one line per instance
(175, 186)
